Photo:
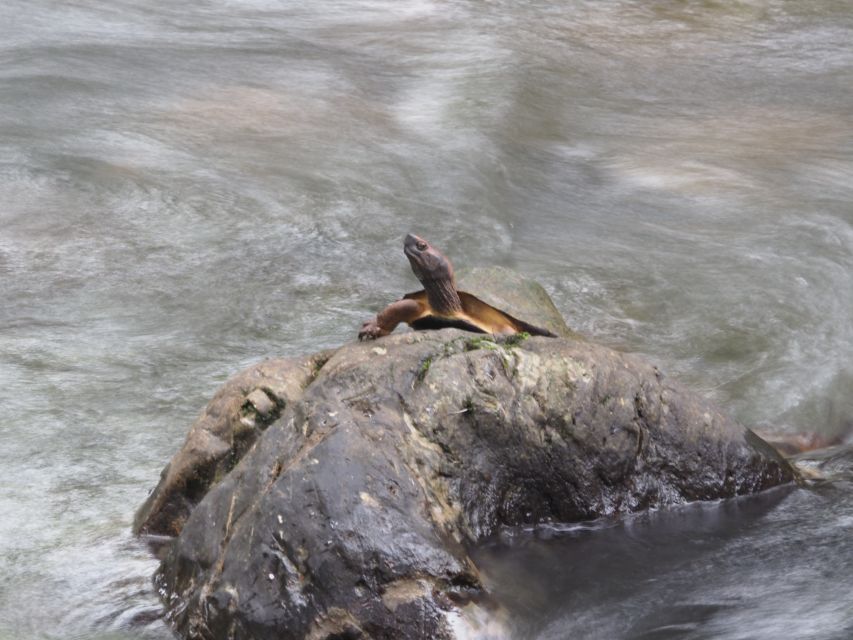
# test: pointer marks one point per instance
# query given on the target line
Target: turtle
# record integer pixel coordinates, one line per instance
(439, 304)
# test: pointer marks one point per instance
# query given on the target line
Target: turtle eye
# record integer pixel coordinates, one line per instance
(421, 246)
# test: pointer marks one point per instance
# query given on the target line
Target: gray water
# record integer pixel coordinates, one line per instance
(186, 188)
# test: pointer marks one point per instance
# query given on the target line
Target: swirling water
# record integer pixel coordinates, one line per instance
(186, 188)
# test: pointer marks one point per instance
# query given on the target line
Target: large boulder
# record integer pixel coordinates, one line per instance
(251, 400)
(351, 514)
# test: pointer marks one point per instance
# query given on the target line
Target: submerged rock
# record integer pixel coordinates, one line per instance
(350, 515)
(832, 464)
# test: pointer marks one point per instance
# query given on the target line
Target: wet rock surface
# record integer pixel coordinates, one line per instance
(351, 514)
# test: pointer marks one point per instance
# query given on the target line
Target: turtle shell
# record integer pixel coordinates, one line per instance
(512, 293)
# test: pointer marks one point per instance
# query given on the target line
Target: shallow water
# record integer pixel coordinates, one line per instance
(187, 188)
(775, 566)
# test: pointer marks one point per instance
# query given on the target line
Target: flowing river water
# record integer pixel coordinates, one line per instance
(186, 188)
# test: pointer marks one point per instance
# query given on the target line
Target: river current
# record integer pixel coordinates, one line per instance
(186, 188)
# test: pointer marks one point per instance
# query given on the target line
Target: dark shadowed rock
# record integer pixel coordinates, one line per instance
(350, 515)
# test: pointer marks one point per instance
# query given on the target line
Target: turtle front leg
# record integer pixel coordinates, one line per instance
(386, 321)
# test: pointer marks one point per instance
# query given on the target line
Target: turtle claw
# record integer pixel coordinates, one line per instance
(370, 330)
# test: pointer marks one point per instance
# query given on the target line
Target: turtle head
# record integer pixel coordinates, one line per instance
(428, 263)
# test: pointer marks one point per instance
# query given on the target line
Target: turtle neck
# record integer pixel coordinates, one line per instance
(442, 295)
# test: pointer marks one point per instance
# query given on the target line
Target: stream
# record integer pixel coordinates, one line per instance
(187, 188)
